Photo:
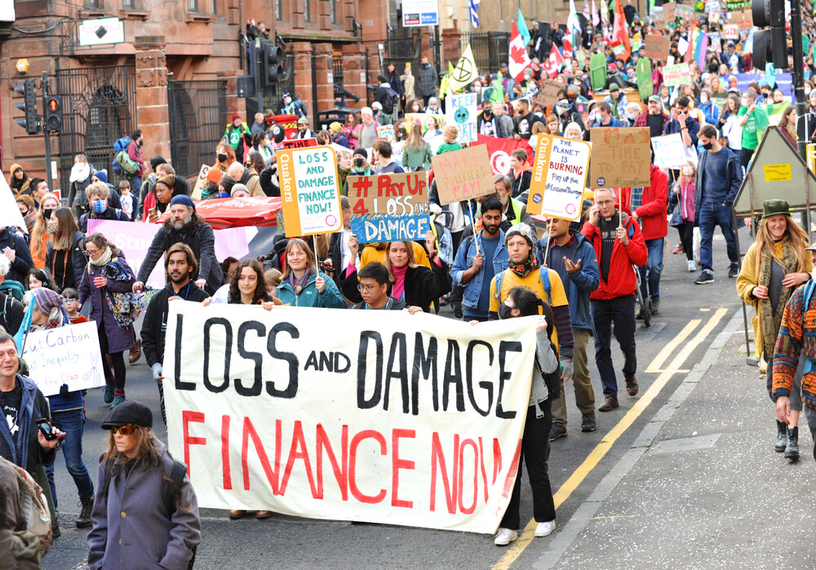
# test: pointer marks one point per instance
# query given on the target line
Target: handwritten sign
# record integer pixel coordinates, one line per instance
(671, 152)
(547, 95)
(559, 177)
(308, 184)
(461, 111)
(620, 157)
(683, 11)
(463, 174)
(389, 207)
(421, 119)
(734, 5)
(386, 132)
(676, 74)
(299, 143)
(731, 31)
(656, 47)
(65, 355)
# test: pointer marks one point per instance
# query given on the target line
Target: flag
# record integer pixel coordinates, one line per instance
(604, 13)
(595, 20)
(620, 33)
(587, 13)
(567, 52)
(517, 55)
(474, 16)
(699, 46)
(573, 24)
(522, 28)
(465, 71)
(499, 151)
(553, 65)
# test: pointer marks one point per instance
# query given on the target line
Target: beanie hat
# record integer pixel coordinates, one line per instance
(237, 187)
(101, 175)
(335, 127)
(523, 230)
(156, 161)
(236, 115)
(184, 200)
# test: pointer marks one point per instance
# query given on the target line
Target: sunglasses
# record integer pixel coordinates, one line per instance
(124, 430)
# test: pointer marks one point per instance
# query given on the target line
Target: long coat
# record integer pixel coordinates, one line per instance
(119, 338)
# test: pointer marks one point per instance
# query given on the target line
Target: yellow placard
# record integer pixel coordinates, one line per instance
(811, 157)
(308, 183)
(777, 172)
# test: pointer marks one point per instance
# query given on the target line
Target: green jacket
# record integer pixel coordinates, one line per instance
(309, 297)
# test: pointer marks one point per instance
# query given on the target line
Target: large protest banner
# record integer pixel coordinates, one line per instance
(463, 174)
(399, 419)
(620, 157)
(559, 177)
(656, 47)
(461, 112)
(308, 186)
(389, 207)
(65, 355)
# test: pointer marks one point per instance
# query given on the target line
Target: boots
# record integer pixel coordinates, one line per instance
(792, 450)
(781, 436)
(84, 519)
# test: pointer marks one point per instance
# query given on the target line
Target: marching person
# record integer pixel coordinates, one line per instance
(303, 285)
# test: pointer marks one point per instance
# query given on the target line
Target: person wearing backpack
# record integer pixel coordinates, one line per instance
(386, 96)
(145, 514)
(134, 152)
(11, 309)
(98, 194)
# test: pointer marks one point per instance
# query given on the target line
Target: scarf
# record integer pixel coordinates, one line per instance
(296, 284)
(104, 259)
(80, 172)
(523, 269)
(770, 320)
(398, 289)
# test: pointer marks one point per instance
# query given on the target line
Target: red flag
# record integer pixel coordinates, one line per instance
(499, 151)
(620, 32)
(518, 58)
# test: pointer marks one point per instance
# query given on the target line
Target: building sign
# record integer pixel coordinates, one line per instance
(101, 31)
(420, 13)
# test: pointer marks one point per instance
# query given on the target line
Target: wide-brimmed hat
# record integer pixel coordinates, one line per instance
(775, 207)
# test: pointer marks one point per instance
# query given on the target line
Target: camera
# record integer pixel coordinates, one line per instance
(359, 162)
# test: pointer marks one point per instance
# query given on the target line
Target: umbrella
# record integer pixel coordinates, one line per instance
(225, 213)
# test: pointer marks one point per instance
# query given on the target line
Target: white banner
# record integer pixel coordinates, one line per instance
(65, 355)
(671, 152)
(375, 416)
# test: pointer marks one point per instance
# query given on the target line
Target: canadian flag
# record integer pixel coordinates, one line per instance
(519, 60)
(553, 65)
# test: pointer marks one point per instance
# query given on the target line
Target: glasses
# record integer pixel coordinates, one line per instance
(124, 430)
(365, 288)
(91, 251)
(604, 202)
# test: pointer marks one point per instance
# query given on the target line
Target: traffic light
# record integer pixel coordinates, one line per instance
(770, 45)
(28, 106)
(53, 113)
(271, 59)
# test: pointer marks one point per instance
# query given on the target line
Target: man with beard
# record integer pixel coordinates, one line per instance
(469, 268)
(185, 226)
(486, 121)
(513, 211)
(179, 265)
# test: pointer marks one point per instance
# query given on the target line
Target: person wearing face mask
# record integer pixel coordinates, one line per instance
(486, 121)
(39, 235)
(26, 206)
(754, 120)
(98, 194)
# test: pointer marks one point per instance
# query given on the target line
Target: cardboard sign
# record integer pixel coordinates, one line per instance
(656, 47)
(308, 184)
(731, 31)
(299, 143)
(620, 157)
(685, 12)
(559, 177)
(65, 355)
(547, 95)
(375, 416)
(386, 132)
(461, 111)
(203, 176)
(676, 74)
(389, 207)
(671, 152)
(463, 174)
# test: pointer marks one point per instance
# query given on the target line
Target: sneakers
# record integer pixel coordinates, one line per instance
(505, 537)
(705, 277)
(84, 519)
(610, 403)
(588, 422)
(678, 249)
(632, 386)
(692, 266)
(654, 307)
(116, 401)
(135, 352)
(557, 431)
(545, 528)
(733, 271)
(109, 390)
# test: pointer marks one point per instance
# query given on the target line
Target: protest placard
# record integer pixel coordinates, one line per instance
(65, 355)
(389, 207)
(401, 419)
(737, 5)
(669, 12)
(10, 215)
(712, 6)
(683, 11)
(559, 177)
(299, 143)
(421, 119)
(656, 47)
(463, 174)
(676, 74)
(386, 132)
(620, 157)
(308, 186)
(731, 31)
(547, 95)
(461, 112)
(203, 176)
(671, 152)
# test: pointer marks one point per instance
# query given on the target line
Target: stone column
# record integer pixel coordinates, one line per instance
(355, 74)
(303, 75)
(151, 96)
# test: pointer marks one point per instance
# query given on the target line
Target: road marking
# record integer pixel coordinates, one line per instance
(663, 355)
(614, 434)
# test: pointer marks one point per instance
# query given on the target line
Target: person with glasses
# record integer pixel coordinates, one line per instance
(373, 287)
(108, 272)
(145, 514)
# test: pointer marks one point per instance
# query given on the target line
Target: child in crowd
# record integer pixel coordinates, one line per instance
(72, 306)
(126, 198)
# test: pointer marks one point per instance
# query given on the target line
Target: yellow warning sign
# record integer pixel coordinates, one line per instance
(777, 172)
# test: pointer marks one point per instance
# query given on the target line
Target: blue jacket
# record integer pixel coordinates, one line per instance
(26, 452)
(725, 195)
(463, 261)
(309, 297)
(582, 282)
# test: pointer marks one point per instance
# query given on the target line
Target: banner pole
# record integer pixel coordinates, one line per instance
(547, 250)
(473, 227)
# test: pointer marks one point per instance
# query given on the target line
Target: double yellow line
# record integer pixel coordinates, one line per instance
(625, 423)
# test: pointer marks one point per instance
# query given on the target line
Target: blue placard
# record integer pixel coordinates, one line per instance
(382, 228)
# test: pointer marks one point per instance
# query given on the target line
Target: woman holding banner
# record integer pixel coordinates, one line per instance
(535, 443)
(303, 285)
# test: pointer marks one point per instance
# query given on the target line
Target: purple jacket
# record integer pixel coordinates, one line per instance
(119, 338)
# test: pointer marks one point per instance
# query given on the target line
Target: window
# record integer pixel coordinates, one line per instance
(192, 5)
(214, 7)
(91, 3)
(279, 10)
(333, 11)
(128, 4)
(307, 10)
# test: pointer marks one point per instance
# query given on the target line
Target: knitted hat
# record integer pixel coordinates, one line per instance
(184, 200)
(27, 200)
(236, 115)
(156, 161)
(774, 208)
(335, 127)
(45, 300)
(523, 230)
(101, 175)
(237, 187)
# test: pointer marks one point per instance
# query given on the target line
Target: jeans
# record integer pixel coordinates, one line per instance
(686, 231)
(72, 422)
(621, 312)
(581, 382)
(535, 450)
(136, 185)
(650, 273)
(745, 157)
(712, 215)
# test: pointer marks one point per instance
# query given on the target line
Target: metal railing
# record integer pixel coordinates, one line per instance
(198, 118)
(489, 49)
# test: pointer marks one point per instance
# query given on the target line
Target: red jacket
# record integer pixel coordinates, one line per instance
(653, 211)
(622, 280)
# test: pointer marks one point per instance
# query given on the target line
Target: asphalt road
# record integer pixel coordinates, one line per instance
(690, 318)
